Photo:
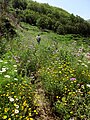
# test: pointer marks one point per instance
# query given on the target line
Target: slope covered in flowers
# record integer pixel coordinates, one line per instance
(60, 63)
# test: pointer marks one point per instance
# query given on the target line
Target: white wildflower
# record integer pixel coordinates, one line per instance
(6, 76)
(14, 65)
(5, 62)
(15, 79)
(79, 61)
(88, 62)
(17, 106)
(83, 64)
(83, 87)
(15, 70)
(28, 61)
(4, 69)
(86, 66)
(12, 114)
(88, 85)
(16, 111)
(11, 99)
(17, 99)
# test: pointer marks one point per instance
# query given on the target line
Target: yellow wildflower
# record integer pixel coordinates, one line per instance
(35, 111)
(5, 110)
(4, 117)
(57, 97)
(31, 118)
(25, 104)
(9, 118)
(21, 117)
(30, 114)
(71, 112)
(22, 107)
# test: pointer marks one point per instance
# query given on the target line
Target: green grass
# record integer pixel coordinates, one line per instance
(59, 62)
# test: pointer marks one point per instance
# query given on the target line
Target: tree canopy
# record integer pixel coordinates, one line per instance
(48, 17)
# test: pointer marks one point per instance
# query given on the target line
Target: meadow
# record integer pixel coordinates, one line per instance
(61, 63)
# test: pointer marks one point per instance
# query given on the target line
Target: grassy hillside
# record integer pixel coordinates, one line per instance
(55, 73)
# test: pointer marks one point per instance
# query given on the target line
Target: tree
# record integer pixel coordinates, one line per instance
(4, 5)
(60, 29)
(44, 22)
(31, 17)
(21, 4)
(57, 23)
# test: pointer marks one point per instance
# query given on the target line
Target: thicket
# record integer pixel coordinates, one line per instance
(7, 25)
(42, 15)
(52, 18)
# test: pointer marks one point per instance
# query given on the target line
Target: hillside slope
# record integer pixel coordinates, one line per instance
(48, 17)
(42, 81)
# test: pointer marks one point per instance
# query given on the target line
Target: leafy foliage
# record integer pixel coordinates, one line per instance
(20, 4)
(47, 17)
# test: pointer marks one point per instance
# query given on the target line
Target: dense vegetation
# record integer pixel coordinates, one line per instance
(60, 63)
(47, 17)
(52, 18)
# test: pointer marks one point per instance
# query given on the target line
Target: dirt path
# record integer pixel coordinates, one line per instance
(43, 105)
(43, 108)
